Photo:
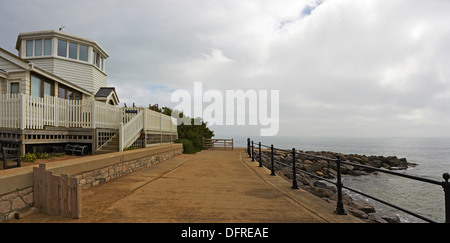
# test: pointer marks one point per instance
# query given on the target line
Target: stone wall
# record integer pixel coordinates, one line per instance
(16, 185)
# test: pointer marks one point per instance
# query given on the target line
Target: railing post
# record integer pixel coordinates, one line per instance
(446, 186)
(260, 157)
(23, 118)
(248, 148)
(121, 139)
(253, 152)
(340, 206)
(272, 170)
(294, 172)
(93, 115)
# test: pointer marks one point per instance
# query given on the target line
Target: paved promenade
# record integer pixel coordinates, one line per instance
(208, 187)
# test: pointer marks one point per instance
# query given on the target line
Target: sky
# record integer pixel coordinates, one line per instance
(348, 68)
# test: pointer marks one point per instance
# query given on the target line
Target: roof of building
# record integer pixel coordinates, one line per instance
(56, 33)
(104, 92)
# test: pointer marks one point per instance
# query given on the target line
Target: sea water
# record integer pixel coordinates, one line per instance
(431, 154)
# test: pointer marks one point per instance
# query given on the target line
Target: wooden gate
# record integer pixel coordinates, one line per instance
(220, 143)
(56, 194)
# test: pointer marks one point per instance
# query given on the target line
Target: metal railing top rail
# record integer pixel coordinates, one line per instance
(340, 210)
(439, 183)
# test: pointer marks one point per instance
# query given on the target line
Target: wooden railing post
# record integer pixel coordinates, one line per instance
(22, 112)
(93, 115)
(121, 138)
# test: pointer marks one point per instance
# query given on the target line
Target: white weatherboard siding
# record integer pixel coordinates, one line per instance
(81, 74)
(44, 63)
(99, 79)
(8, 66)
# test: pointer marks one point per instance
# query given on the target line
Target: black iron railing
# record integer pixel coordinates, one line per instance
(339, 185)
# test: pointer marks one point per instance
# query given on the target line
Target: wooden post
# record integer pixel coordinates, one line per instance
(22, 112)
(64, 203)
(93, 115)
(121, 142)
(42, 188)
(75, 198)
(48, 192)
(56, 185)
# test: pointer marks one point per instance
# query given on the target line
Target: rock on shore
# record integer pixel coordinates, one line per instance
(327, 169)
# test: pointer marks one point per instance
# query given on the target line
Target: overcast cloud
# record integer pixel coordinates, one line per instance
(343, 67)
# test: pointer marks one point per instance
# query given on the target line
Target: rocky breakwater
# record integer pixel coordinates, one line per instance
(317, 164)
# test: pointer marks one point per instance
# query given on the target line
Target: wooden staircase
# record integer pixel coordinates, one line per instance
(111, 146)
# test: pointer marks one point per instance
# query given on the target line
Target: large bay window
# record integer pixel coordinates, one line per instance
(66, 49)
(38, 47)
(75, 51)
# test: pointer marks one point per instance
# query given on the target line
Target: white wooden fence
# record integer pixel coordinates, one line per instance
(28, 112)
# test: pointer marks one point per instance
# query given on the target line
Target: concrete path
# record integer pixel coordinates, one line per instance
(208, 187)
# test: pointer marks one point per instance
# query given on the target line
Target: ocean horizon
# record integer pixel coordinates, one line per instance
(431, 154)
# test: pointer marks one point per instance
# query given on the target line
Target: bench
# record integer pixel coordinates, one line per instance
(10, 152)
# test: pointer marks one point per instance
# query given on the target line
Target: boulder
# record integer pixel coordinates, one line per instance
(384, 217)
(357, 213)
(375, 218)
(311, 168)
(375, 163)
(363, 206)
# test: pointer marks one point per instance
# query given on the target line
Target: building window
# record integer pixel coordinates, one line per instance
(36, 86)
(68, 93)
(37, 48)
(47, 88)
(62, 48)
(83, 55)
(29, 48)
(40, 87)
(73, 50)
(14, 88)
(47, 47)
(61, 93)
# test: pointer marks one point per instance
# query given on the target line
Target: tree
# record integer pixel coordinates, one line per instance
(193, 133)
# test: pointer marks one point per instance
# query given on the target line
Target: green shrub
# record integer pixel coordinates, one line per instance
(29, 157)
(130, 148)
(43, 155)
(188, 146)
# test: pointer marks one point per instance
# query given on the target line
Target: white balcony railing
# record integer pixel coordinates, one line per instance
(22, 111)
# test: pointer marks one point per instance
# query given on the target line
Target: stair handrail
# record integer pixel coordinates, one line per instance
(129, 132)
